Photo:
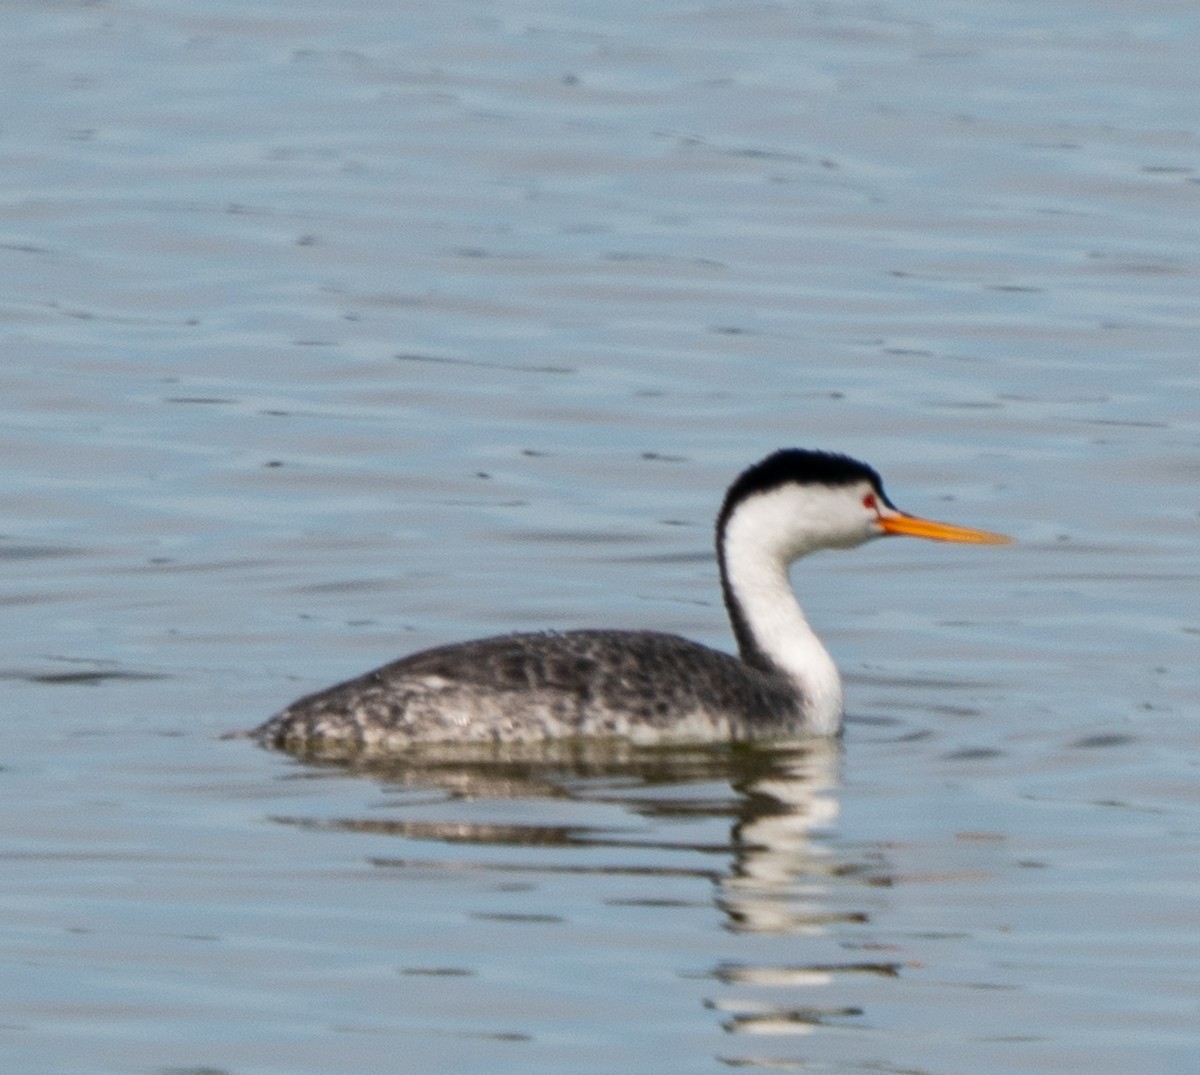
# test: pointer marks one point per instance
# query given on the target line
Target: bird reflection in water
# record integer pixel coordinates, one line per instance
(774, 872)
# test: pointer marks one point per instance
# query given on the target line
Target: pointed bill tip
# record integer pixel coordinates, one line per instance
(914, 526)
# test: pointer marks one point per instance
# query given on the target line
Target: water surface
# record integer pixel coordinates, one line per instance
(331, 333)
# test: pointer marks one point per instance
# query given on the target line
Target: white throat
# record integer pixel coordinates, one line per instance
(762, 537)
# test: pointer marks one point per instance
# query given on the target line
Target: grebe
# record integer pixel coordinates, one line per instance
(642, 685)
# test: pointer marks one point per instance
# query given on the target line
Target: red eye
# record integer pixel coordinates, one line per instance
(869, 502)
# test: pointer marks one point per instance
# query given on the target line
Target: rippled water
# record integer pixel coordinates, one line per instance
(331, 332)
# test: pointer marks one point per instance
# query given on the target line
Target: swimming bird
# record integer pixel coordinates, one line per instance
(643, 686)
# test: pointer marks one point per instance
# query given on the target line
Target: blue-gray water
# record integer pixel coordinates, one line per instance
(335, 331)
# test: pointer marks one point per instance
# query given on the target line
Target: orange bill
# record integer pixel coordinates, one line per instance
(913, 526)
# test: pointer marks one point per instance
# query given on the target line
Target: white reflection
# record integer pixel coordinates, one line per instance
(776, 882)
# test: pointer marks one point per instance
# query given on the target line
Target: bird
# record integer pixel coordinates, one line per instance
(642, 686)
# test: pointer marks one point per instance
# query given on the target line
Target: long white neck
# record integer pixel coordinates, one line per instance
(756, 546)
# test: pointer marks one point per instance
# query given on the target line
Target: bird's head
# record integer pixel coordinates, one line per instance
(796, 501)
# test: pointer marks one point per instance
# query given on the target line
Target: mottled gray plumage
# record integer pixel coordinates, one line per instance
(531, 687)
(639, 685)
